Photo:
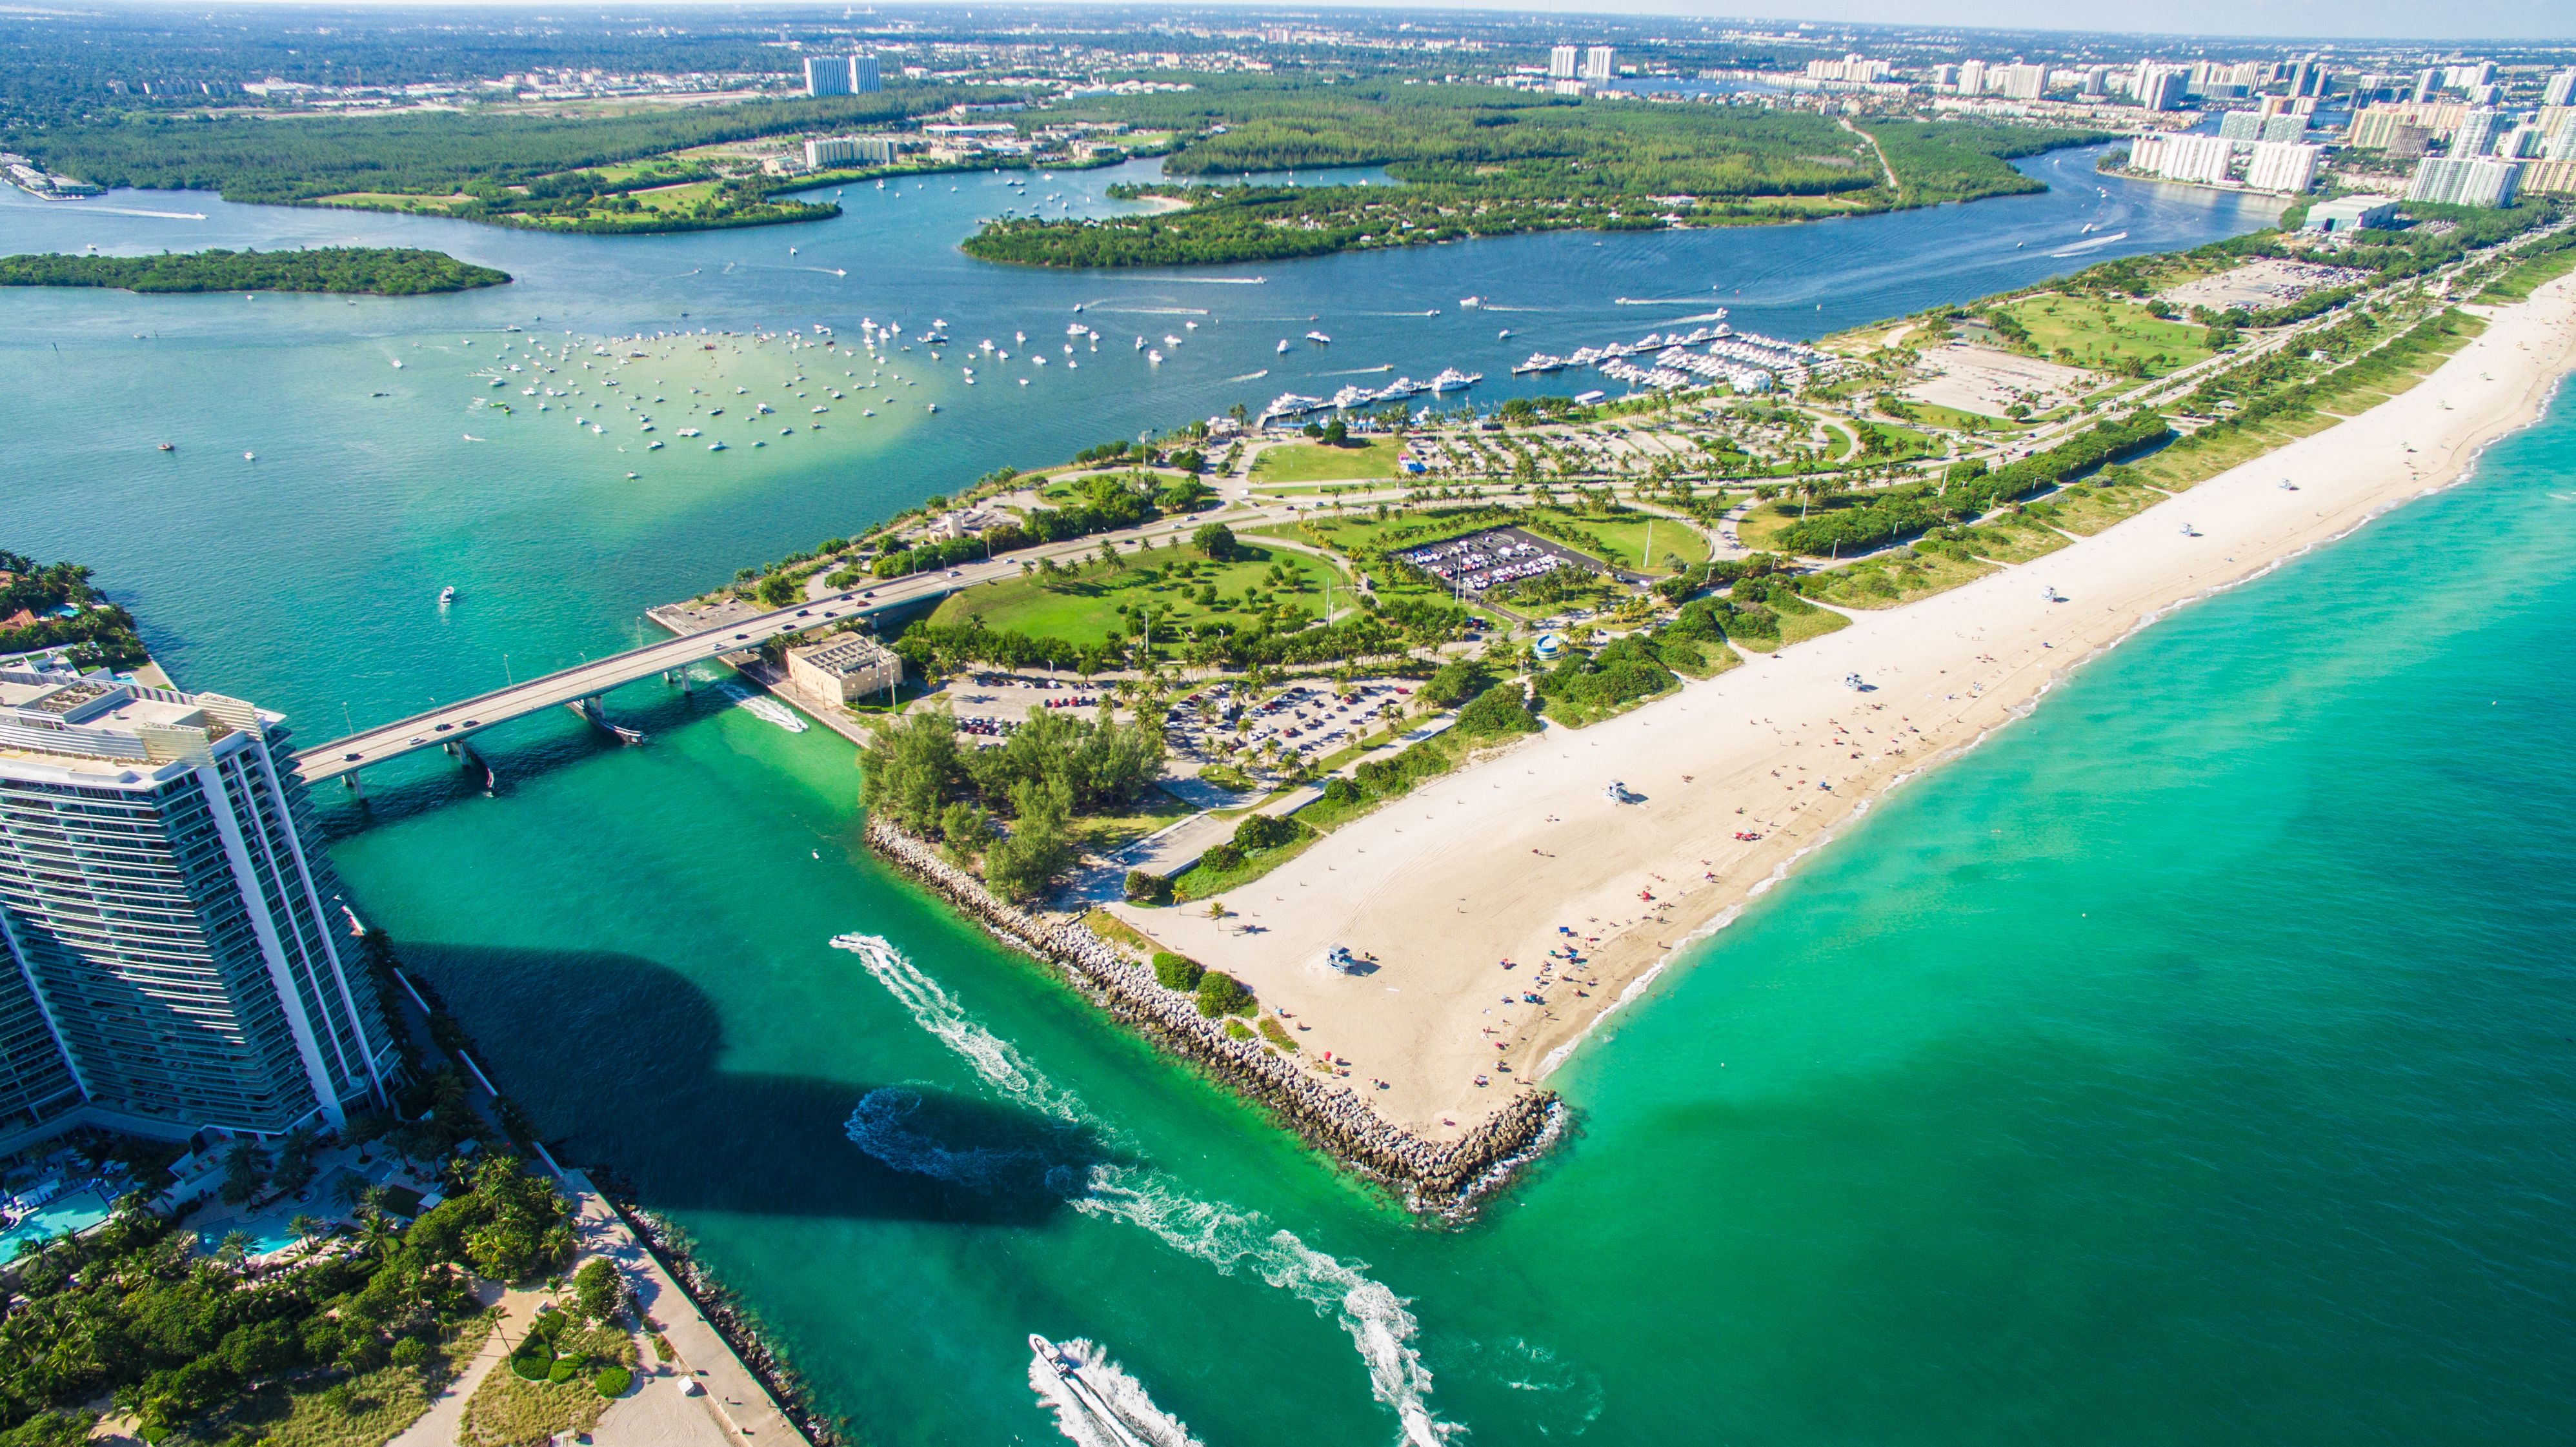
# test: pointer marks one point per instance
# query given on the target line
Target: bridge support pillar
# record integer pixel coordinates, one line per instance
(349, 781)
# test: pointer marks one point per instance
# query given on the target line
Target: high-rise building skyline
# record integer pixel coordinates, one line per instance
(2466, 181)
(842, 75)
(169, 960)
(1599, 64)
(1562, 61)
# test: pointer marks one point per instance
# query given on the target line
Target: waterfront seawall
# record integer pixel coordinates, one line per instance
(1437, 1177)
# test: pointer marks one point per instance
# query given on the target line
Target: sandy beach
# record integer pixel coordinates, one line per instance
(1501, 860)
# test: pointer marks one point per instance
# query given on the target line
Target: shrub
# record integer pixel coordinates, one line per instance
(1146, 887)
(1341, 791)
(1498, 712)
(1222, 857)
(612, 1381)
(1223, 994)
(1177, 972)
(1277, 1034)
(1263, 831)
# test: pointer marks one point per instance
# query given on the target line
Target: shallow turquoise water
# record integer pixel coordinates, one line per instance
(2190, 1063)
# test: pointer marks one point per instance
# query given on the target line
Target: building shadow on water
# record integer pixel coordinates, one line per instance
(617, 1059)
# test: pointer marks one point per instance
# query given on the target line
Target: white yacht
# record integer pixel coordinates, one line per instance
(1319, 338)
(446, 596)
(1283, 345)
(1453, 380)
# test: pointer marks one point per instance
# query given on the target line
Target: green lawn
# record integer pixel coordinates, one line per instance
(1623, 541)
(1956, 420)
(2101, 334)
(1083, 606)
(1362, 459)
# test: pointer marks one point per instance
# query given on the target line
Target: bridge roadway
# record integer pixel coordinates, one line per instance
(454, 722)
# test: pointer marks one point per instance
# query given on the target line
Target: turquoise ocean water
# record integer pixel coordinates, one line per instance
(2190, 1063)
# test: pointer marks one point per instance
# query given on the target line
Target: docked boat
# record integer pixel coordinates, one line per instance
(1352, 397)
(1539, 362)
(1398, 390)
(1453, 380)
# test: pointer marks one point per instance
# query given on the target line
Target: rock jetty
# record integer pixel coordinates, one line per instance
(1441, 1177)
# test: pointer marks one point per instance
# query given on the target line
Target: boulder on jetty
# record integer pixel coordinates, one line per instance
(1442, 1177)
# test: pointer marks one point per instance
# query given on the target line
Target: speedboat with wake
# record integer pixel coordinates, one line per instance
(1070, 1371)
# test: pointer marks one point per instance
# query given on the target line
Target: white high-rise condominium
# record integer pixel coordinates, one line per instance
(1972, 77)
(2288, 166)
(842, 75)
(169, 957)
(2018, 81)
(2561, 89)
(2476, 133)
(1598, 64)
(2465, 181)
(2160, 87)
(827, 75)
(1561, 62)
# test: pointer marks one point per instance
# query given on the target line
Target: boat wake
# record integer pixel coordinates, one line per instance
(767, 710)
(1145, 1422)
(1251, 376)
(1381, 1327)
(136, 211)
(1718, 315)
(2090, 242)
(1359, 371)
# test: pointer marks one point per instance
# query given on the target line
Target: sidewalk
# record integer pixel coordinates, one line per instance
(739, 1407)
(438, 1426)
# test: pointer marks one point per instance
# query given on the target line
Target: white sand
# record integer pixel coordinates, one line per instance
(1487, 863)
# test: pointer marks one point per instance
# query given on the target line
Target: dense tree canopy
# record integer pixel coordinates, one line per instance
(375, 270)
(33, 600)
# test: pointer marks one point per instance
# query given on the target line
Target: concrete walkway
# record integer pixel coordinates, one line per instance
(736, 1406)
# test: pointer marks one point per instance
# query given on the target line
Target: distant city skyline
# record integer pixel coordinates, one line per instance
(2372, 20)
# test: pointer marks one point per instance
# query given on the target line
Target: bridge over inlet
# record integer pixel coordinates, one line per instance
(581, 686)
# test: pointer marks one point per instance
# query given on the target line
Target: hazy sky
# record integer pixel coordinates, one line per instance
(2358, 19)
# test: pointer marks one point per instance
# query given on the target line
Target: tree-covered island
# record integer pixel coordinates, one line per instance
(367, 270)
(1476, 161)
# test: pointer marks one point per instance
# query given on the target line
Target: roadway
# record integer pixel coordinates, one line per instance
(455, 722)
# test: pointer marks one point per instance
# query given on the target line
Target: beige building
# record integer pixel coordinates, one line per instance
(848, 668)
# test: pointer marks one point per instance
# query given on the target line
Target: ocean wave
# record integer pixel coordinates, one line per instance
(1380, 1324)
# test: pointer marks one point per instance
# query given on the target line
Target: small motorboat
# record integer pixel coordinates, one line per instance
(448, 595)
(167, 447)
